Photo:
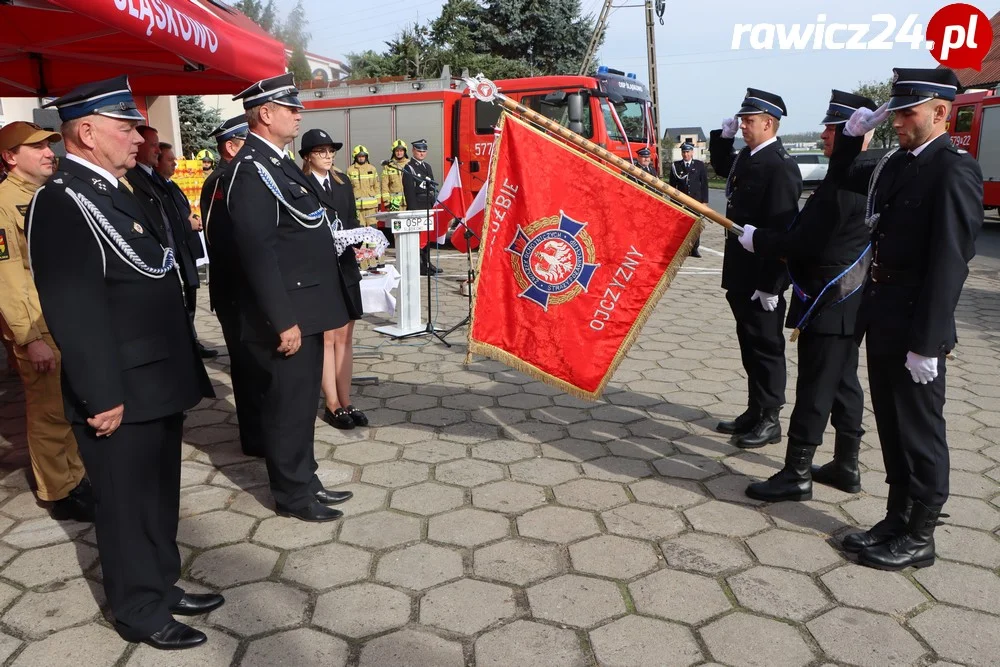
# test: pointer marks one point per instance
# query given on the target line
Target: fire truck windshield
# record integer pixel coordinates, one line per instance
(633, 117)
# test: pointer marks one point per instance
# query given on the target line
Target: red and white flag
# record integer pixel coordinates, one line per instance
(473, 220)
(451, 199)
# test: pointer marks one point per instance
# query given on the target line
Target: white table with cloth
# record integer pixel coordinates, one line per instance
(376, 297)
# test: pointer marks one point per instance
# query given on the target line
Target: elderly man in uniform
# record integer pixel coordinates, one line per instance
(224, 287)
(288, 289)
(762, 188)
(690, 177)
(130, 368)
(55, 459)
(644, 160)
(925, 211)
(419, 190)
(827, 254)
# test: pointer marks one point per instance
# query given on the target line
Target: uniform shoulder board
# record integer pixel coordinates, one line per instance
(248, 157)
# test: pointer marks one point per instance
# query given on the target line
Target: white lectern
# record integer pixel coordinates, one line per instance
(406, 227)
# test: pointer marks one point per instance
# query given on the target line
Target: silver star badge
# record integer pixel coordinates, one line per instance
(276, 161)
(99, 184)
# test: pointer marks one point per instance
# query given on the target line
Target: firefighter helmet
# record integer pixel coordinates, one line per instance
(398, 143)
(206, 155)
(359, 150)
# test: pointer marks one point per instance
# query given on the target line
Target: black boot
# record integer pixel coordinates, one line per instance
(766, 431)
(842, 472)
(897, 513)
(793, 482)
(743, 423)
(915, 547)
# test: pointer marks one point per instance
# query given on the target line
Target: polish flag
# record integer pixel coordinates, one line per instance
(451, 199)
(474, 219)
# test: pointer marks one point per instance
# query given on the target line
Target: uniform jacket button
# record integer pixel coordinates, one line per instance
(298, 284)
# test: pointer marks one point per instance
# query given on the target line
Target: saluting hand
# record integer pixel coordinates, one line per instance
(730, 126)
(291, 341)
(107, 422)
(767, 301)
(865, 120)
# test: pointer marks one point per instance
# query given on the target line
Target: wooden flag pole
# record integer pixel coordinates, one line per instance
(486, 91)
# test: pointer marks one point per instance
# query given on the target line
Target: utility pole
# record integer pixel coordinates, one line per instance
(595, 39)
(654, 94)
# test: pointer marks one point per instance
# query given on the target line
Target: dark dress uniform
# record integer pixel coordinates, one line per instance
(419, 192)
(691, 179)
(289, 277)
(125, 339)
(763, 190)
(926, 211)
(338, 198)
(248, 378)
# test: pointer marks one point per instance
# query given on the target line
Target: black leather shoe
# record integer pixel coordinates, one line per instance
(175, 636)
(433, 269)
(207, 353)
(313, 512)
(793, 482)
(327, 497)
(192, 604)
(359, 417)
(77, 506)
(695, 252)
(896, 518)
(338, 419)
(914, 548)
(767, 431)
(741, 424)
(842, 472)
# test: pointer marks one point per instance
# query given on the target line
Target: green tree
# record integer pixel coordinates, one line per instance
(294, 35)
(879, 92)
(260, 12)
(197, 122)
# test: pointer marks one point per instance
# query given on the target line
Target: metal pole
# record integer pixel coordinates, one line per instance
(599, 28)
(654, 94)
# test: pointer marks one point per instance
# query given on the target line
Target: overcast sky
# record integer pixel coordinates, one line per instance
(702, 79)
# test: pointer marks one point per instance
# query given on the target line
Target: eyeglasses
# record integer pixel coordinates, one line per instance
(325, 153)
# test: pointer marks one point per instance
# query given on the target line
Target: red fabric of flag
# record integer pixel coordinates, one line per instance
(451, 201)
(574, 258)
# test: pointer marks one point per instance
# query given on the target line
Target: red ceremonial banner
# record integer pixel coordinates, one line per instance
(575, 256)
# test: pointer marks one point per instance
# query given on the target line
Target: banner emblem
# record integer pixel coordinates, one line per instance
(553, 260)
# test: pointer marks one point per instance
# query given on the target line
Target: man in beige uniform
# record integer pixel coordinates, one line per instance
(55, 460)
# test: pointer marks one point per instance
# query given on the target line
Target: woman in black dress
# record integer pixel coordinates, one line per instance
(335, 192)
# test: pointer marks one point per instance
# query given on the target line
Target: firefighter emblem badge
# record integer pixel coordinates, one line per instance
(4, 250)
(553, 260)
(137, 227)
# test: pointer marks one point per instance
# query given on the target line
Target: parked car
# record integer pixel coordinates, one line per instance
(812, 166)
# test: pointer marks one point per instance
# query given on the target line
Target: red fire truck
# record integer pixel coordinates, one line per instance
(457, 126)
(974, 125)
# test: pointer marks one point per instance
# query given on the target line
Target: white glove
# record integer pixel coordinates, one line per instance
(730, 126)
(767, 301)
(865, 120)
(922, 369)
(746, 238)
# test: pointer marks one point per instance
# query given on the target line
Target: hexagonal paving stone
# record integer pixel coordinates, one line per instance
(234, 564)
(41, 532)
(863, 638)
(597, 431)
(434, 452)
(468, 527)
(647, 449)
(963, 585)
(410, 647)
(725, 519)
(797, 551)
(213, 528)
(468, 472)
(573, 450)
(403, 435)
(966, 636)
(643, 521)
(10, 644)
(967, 545)
(261, 607)
(688, 466)
(544, 472)
(972, 513)
(504, 451)
(633, 641)
(49, 564)
(380, 530)
(557, 524)
(679, 596)
(365, 452)
(518, 562)
(743, 639)
(675, 494)
(285, 533)
(574, 600)
(530, 643)
(201, 499)
(362, 610)
(467, 606)
(778, 593)
(427, 498)
(302, 646)
(438, 417)
(591, 494)
(326, 566)
(394, 474)
(732, 489)
(419, 567)
(69, 603)
(710, 554)
(508, 497)
(813, 516)
(87, 645)
(887, 592)
(617, 469)
(366, 499)
(613, 556)
(242, 475)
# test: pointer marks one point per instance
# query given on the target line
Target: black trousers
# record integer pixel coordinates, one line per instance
(288, 418)
(248, 381)
(191, 303)
(136, 475)
(827, 388)
(911, 427)
(762, 347)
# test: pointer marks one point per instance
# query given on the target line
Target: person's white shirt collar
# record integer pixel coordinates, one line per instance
(919, 149)
(145, 167)
(763, 145)
(100, 171)
(276, 149)
(323, 180)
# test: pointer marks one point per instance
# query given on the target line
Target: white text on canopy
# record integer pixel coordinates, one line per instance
(164, 17)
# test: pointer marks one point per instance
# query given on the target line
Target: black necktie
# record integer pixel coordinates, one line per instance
(326, 186)
(687, 165)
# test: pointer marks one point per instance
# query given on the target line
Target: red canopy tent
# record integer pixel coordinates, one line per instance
(167, 47)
